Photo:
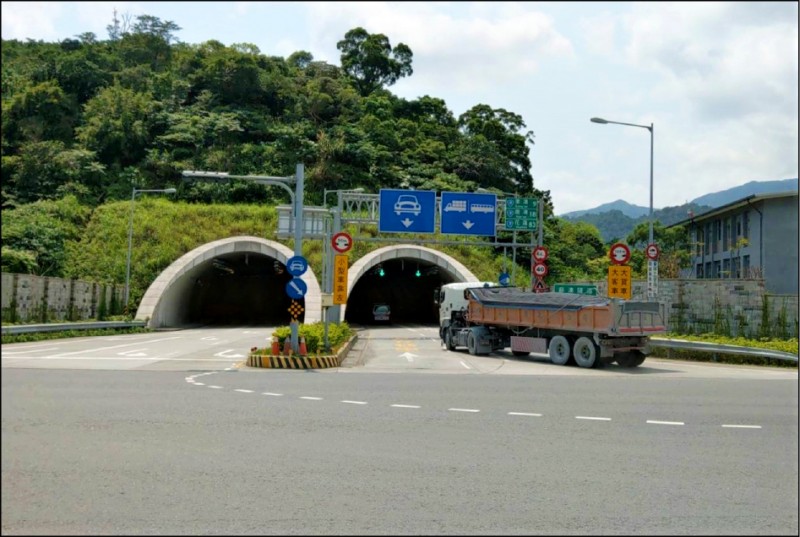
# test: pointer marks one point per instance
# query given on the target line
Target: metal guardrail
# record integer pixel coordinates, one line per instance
(718, 348)
(61, 327)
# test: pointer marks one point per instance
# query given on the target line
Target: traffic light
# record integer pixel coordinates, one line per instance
(417, 274)
(381, 273)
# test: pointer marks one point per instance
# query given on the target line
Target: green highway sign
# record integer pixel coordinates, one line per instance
(576, 288)
(521, 214)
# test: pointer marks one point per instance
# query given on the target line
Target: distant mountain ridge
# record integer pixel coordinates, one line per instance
(617, 219)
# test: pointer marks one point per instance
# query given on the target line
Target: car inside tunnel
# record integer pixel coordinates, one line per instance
(406, 285)
(240, 289)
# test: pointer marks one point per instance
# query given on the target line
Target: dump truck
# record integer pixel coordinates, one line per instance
(592, 331)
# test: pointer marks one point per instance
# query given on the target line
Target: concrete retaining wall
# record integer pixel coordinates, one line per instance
(736, 306)
(27, 298)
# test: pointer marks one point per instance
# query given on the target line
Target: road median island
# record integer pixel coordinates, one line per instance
(265, 359)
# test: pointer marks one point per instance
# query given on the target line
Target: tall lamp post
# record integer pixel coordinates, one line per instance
(652, 264)
(130, 237)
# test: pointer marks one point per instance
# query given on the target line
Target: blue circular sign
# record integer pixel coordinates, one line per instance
(504, 279)
(297, 265)
(296, 288)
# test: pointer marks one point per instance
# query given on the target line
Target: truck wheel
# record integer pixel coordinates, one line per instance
(472, 346)
(585, 352)
(448, 341)
(631, 358)
(559, 350)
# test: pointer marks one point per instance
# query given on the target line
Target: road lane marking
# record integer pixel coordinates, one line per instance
(215, 387)
(273, 394)
(243, 391)
(465, 365)
(115, 346)
(743, 426)
(224, 354)
(36, 349)
(354, 402)
(199, 384)
(656, 422)
(463, 409)
(405, 406)
(524, 414)
(311, 398)
(596, 418)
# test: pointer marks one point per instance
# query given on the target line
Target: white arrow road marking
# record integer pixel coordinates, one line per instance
(408, 356)
(407, 222)
(468, 224)
(224, 354)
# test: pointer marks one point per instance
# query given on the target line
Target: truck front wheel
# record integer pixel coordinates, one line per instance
(448, 340)
(559, 350)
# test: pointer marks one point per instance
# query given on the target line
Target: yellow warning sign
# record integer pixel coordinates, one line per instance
(619, 281)
(340, 279)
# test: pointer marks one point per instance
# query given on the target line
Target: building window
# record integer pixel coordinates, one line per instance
(746, 224)
(746, 266)
(726, 268)
(700, 270)
(708, 273)
(738, 227)
(716, 269)
(719, 229)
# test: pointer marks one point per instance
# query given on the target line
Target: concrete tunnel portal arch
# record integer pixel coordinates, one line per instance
(239, 280)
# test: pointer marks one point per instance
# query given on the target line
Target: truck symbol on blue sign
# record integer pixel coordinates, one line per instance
(465, 213)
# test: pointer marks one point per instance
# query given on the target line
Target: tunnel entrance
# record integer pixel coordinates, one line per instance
(239, 289)
(406, 285)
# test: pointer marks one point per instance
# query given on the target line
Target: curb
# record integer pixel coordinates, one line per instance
(301, 362)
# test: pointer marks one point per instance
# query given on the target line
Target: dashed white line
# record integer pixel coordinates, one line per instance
(273, 394)
(465, 365)
(743, 426)
(244, 391)
(215, 387)
(405, 406)
(656, 422)
(354, 402)
(595, 418)
(311, 398)
(524, 414)
(463, 410)
(199, 384)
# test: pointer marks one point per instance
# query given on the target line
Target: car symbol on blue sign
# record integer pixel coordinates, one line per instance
(407, 211)
(297, 265)
(465, 213)
(296, 288)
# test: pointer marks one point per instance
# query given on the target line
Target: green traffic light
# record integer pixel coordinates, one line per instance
(381, 273)
(417, 273)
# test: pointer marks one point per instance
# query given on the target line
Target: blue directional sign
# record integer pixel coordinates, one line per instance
(504, 279)
(297, 265)
(464, 213)
(296, 288)
(407, 211)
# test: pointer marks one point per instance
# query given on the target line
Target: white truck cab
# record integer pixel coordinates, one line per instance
(451, 298)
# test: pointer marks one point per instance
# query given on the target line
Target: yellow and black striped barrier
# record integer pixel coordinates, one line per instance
(293, 362)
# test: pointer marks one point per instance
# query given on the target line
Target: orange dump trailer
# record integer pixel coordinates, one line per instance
(590, 330)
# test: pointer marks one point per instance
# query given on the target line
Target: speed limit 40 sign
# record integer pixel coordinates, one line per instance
(540, 270)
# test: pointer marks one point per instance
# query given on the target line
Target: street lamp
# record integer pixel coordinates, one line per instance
(130, 238)
(652, 265)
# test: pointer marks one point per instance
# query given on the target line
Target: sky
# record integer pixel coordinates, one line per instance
(717, 80)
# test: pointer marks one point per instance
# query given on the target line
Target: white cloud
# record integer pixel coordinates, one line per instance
(31, 20)
(472, 50)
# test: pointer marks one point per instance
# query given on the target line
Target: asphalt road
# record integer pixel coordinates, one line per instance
(406, 440)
